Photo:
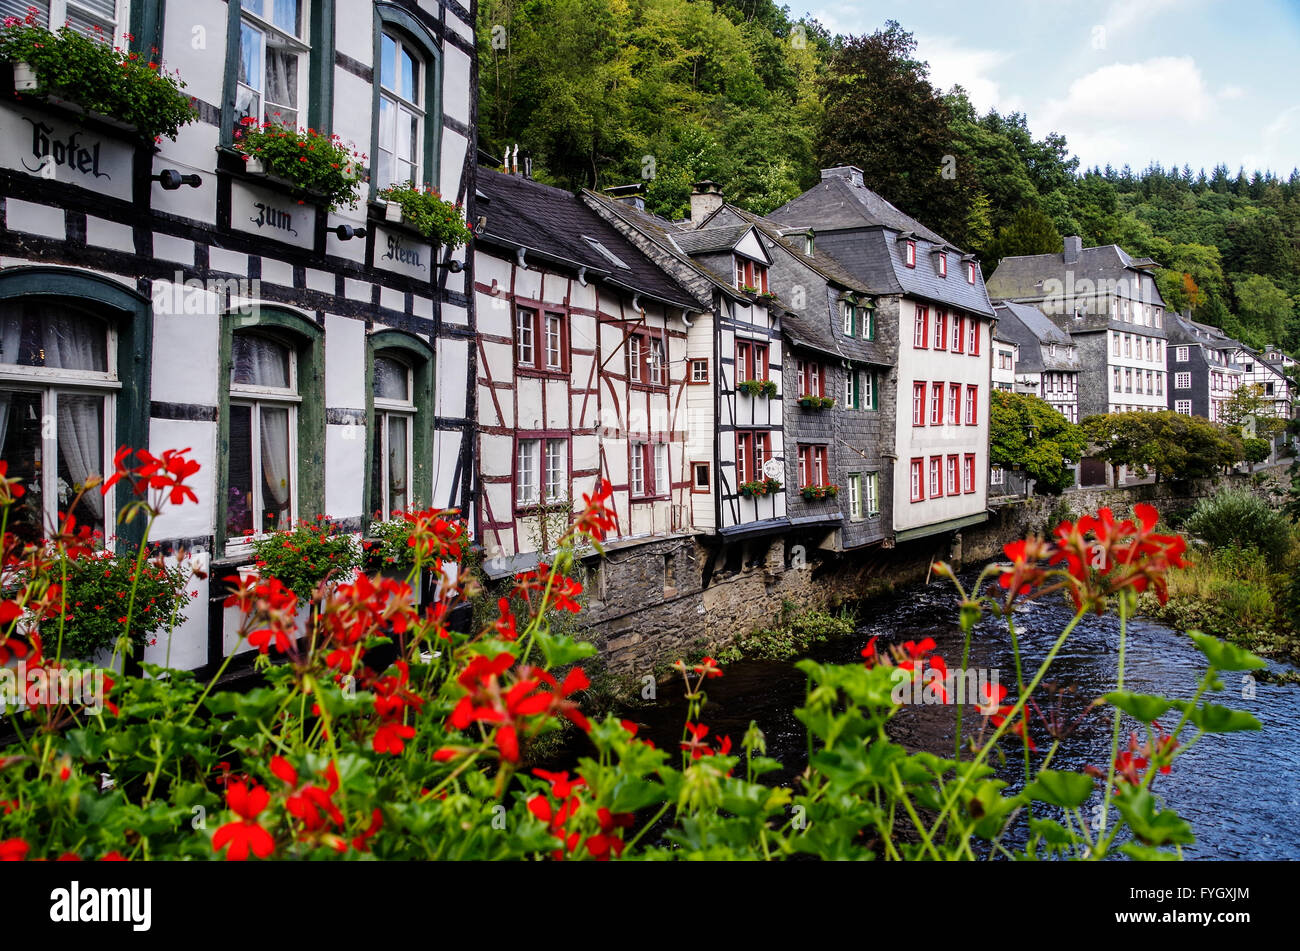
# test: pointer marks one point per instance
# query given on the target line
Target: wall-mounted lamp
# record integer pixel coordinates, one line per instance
(347, 232)
(170, 179)
(452, 265)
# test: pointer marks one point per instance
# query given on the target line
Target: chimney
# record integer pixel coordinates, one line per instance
(706, 198)
(631, 195)
(1073, 248)
(850, 173)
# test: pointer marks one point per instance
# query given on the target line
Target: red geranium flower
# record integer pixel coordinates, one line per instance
(245, 834)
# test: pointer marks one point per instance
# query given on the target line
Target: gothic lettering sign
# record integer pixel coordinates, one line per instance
(271, 215)
(43, 145)
(402, 254)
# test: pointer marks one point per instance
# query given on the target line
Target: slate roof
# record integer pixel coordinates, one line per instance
(554, 224)
(707, 240)
(1021, 277)
(877, 252)
(835, 203)
(665, 234)
(1034, 333)
(793, 243)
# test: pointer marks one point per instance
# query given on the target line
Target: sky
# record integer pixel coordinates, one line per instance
(1194, 82)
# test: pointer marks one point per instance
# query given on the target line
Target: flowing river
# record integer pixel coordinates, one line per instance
(1239, 791)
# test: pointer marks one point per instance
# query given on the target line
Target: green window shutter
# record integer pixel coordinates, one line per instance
(875, 384)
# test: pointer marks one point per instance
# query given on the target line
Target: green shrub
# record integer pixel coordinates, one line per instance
(96, 595)
(1237, 518)
(793, 637)
(306, 556)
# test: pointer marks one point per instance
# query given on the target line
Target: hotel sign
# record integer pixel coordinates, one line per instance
(63, 150)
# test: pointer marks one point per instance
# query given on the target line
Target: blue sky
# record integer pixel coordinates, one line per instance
(1126, 81)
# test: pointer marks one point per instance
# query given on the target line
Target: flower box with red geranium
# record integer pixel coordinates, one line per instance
(818, 493)
(86, 73)
(424, 210)
(318, 164)
(306, 557)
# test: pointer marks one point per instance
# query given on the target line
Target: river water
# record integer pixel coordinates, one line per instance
(1239, 791)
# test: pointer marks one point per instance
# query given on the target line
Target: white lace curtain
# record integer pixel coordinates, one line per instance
(259, 361)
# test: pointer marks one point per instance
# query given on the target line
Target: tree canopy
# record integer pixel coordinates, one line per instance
(668, 92)
(1025, 430)
(1167, 444)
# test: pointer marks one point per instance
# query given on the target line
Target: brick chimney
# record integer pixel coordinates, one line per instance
(706, 198)
(1073, 248)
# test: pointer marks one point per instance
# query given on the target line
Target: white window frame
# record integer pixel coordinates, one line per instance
(258, 397)
(58, 11)
(634, 358)
(384, 408)
(524, 339)
(663, 478)
(936, 477)
(872, 495)
(1183, 406)
(555, 474)
(300, 46)
(1182, 381)
(849, 318)
(855, 496)
(553, 328)
(49, 382)
(1181, 354)
(402, 103)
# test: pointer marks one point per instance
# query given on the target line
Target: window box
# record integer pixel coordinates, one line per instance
(811, 401)
(25, 78)
(765, 388)
(68, 67)
(424, 211)
(760, 487)
(819, 493)
(304, 159)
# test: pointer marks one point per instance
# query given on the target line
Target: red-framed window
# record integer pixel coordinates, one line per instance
(936, 477)
(921, 331)
(954, 403)
(909, 254)
(751, 273)
(918, 404)
(813, 466)
(973, 337)
(751, 360)
(970, 272)
(936, 404)
(968, 472)
(752, 450)
(950, 475)
(811, 376)
(941, 265)
(647, 360)
(958, 330)
(648, 475)
(972, 405)
(940, 330)
(541, 340)
(918, 480)
(698, 371)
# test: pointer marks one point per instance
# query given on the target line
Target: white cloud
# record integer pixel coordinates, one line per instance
(1164, 87)
(1125, 14)
(952, 64)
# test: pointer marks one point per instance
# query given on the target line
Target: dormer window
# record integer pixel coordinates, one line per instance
(808, 242)
(970, 272)
(910, 254)
(941, 264)
(751, 275)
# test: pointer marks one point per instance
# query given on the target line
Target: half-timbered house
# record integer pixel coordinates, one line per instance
(736, 444)
(584, 373)
(318, 362)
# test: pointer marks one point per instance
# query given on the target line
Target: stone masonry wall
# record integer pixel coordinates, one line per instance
(648, 605)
